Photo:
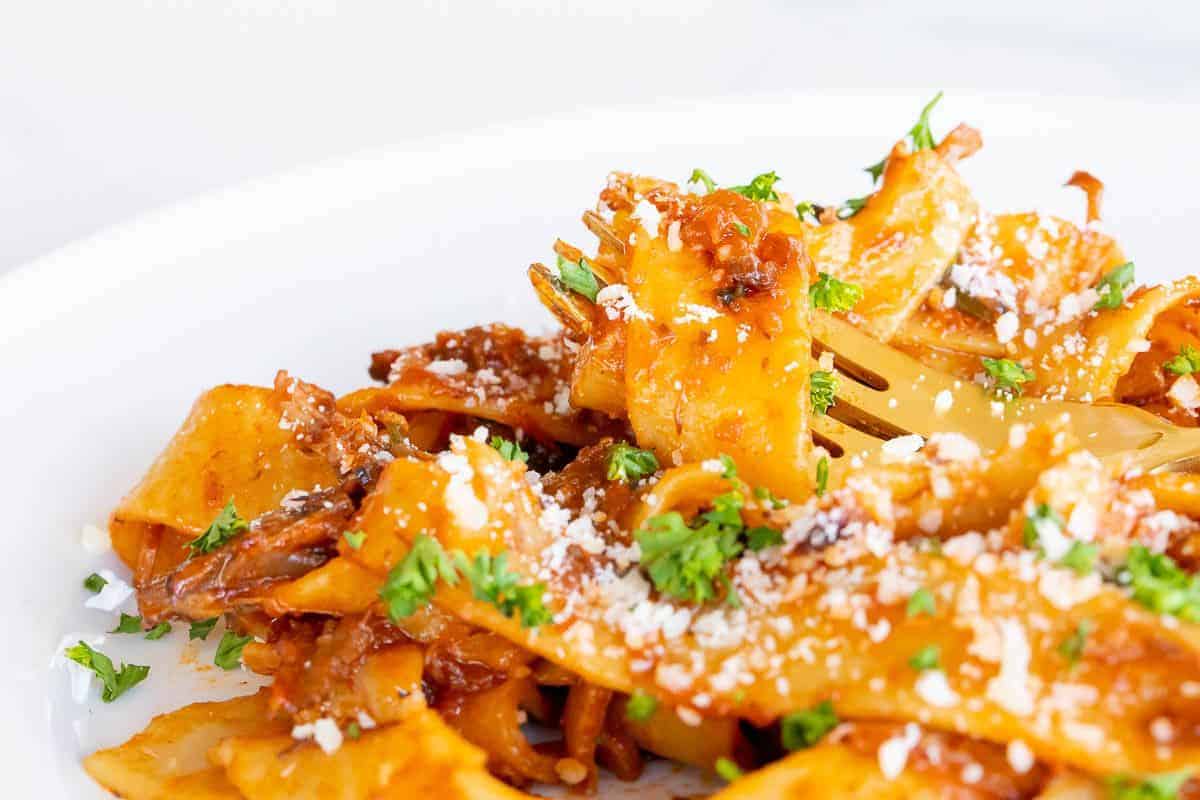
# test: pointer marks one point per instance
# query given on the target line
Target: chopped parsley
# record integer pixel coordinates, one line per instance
(1158, 583)
(511, 450)
(629, 464)
(727, 769)
(200, 629)
(1007, 377)
(1112, 286)
(353, 731)
(761, 187)
(765, 495)
(158, 631)
(229, 650)
(1073, 646)
(925, 658)
(920, 137)
(684, 562)
(226, 526)
(803, 729)
(729, 467)
(761, 538)
(410, 584)
(1037, 522)
(700, 176)
(354, 539)
(94, 583)
(805, 208)
(640, 706)
(492, 581)
(1187, 362)
(578, 277)
(116, 682)
(742, 228)
(822, 475)
(833, 295)
(1163, 786)
(128, 624)
(852, 206)
(921, 602)
(1081, 557)
(822, 388)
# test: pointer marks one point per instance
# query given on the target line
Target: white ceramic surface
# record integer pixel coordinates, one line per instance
(104, 345)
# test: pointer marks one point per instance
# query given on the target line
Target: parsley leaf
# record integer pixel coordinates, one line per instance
(700, 176)
(227, 525)
(1007, 377)
(876, 169)
(729, 467)
(229, 650)
(822, 475)
(822, 388)
(684, 562)
(1163, 786)
(354, 539)
(852, 206)
(640, 706)
(767, 496)
(1081, 557)
(803, 729)
(353, 731)
(1042, 517)
(200, 629)
(628, 464)
(510, 450)
(1187, 362)
(410, 584)
(492, 581)
(920, 133)
(727, 769)
(1112, 286)
(116, 682)
(921, 602)
(761, 538)
(761, 187)
(158, 631)
(1073, 646)
(94, 583)
(1160, 585)
(128, 624)
(833, 295)
(742, 228)
(925, 658)
(578, 277)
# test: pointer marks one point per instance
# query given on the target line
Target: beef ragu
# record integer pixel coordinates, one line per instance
(626, 537)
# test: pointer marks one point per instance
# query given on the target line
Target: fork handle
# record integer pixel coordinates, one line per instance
(1177, 450)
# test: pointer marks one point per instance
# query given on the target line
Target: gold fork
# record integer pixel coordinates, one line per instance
(884, 394)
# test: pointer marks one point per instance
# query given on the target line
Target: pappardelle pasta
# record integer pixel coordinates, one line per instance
(627, 532)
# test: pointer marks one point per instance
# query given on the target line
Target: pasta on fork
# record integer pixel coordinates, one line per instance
(629, 534)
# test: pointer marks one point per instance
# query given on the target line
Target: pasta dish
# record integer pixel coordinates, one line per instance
(519, 562)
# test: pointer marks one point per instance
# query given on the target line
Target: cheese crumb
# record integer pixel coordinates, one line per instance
(1020, 757)
(324, 732)
(901, 448)
(943, 401)
(893, 753)
(934, 689)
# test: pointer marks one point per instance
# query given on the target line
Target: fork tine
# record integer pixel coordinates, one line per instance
(851, 441)
(572, 311)
(603, 231)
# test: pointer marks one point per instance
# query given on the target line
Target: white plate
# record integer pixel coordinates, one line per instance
(104, 345)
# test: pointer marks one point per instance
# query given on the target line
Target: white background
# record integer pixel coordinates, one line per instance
(111, 108)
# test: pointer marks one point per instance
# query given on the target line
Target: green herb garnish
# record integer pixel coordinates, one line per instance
(822, 388)
(94, 583)
(410, 584)
(226, 526)
(833, 295)
(1036, 523)
(925, 658)
(1164, 786)
(761, 538)
(822, 475)
(1007, 377)
(492, 581)
(354, 539)
(1187, 362)
(700, 176)
(509, 449)
(640, 706)
(1158, 583)
(921, 602)
(158, 631)
(116, 682)
(578, 277)
(629, 464)
(1112, 287)
(761, 187)
(1073, 646)
(803, 729)
(727, 769)
(200, 629)
(128, 624)
(1081, 557)
(229, 650)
